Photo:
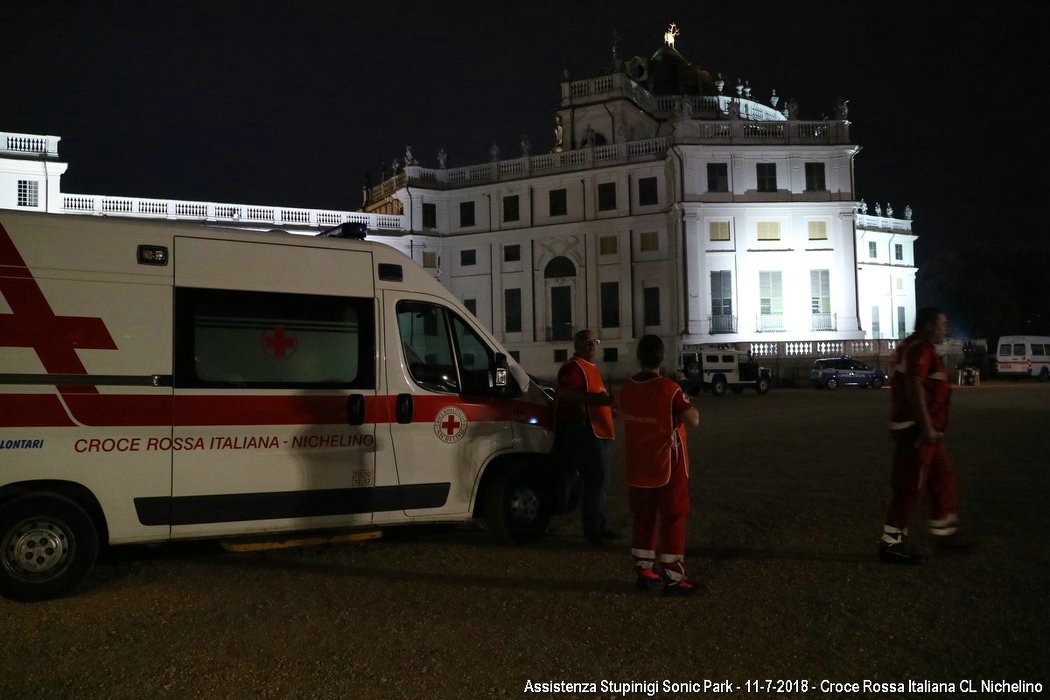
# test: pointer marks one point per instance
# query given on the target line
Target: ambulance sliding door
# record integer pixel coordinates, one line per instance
(275, 352)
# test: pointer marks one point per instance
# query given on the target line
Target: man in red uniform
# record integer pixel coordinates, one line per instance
(919, 400)
(655, 411)
(585, 432)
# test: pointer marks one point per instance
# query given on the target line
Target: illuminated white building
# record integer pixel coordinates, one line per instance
(671, 203)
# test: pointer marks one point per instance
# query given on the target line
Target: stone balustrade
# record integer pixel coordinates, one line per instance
(33, 144)
(248, 215)
(883, 222)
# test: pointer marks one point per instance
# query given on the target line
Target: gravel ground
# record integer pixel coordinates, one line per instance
(788, 497)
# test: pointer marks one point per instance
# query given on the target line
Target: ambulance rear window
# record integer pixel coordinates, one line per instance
(269, 340)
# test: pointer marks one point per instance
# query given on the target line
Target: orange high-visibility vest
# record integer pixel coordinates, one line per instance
(600, 417)
(653, 439)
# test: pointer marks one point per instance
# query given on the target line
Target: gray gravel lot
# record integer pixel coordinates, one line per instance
(788, 497)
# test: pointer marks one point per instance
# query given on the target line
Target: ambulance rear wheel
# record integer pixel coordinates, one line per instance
(718, 385)
(519, 505)
(762, 386)
(48, 544)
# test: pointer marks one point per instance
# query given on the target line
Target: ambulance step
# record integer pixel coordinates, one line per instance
(258, 545)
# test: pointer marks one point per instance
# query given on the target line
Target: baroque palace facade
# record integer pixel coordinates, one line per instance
(670, 204)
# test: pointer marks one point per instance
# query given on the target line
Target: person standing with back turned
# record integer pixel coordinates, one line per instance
(919, 400)
(585, 432)
(655, 412)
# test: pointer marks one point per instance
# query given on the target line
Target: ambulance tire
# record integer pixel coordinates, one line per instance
(48, 544)
(718, 385)
(762, 385)
(519, 504)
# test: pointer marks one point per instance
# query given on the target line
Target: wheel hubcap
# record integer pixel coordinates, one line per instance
(524, 505)
(36, 549)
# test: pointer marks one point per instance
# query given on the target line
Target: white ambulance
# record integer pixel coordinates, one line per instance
(1024, 356)
(161, 381)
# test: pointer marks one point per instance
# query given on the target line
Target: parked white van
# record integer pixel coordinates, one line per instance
(163, 381)
(1024, 356)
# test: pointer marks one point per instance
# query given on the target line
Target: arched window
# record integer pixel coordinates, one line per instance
(560, 266)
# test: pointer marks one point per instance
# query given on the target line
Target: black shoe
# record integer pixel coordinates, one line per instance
(680, 588)
(899, 553)
(649, 580)
(954, 542)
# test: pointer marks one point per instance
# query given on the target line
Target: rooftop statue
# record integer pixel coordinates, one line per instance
(442, 159)
(907, 212)
(670, 34)
(559, 135)
(525, 145)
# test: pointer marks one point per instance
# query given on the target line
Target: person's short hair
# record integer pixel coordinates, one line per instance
(925, 316)
(650, 351)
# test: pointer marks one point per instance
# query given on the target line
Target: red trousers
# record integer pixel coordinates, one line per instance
(916, 471)
(659, 518)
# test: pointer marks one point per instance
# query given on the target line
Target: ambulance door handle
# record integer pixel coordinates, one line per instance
(355, 409)
(403, 408)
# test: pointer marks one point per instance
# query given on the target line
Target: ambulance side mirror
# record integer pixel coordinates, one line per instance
(500, 378)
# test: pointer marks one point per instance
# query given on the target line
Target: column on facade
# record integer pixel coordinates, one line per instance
(693, 286)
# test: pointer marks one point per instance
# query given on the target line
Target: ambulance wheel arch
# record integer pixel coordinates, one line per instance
(516, 497)
(48, 544)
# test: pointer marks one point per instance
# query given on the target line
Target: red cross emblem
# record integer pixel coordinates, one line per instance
(450, 424)
(279, 343)
(33, 324)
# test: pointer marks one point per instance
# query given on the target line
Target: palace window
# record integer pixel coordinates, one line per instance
(718, 230)
(767, 177)
(769, 230)
(717, 177)
(606, 196)
(873, 249)
(511, 253)
(559, 202)
(429, 215)
(815, 177)
(510, 208)
(610, 297)
(648, 241)
(818, 230)
(647, 193)
(512, 310)
(651, 306)
(608, 245)
(466, 214)
(28, 193)
(468, 257)
(898, 251)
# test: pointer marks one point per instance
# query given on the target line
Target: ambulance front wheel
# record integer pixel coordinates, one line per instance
(519, 504)
(48, 544)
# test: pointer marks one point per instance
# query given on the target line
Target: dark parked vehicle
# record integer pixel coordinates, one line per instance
(833, 372)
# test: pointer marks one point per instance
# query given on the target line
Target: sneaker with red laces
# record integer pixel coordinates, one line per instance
(680, 588)
(648, 580)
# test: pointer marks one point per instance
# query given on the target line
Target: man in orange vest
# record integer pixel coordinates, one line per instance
(655, 412)
(585, 432)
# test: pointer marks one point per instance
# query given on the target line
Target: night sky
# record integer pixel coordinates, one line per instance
(291, 103)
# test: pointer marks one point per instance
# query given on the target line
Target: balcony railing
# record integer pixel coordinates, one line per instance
(722, 323)
(235, 214)
(770, 323)
(32, 144)
(823, 322)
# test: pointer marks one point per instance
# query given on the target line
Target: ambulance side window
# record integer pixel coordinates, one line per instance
(475, 358)
(227, 338)
(427, 346)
